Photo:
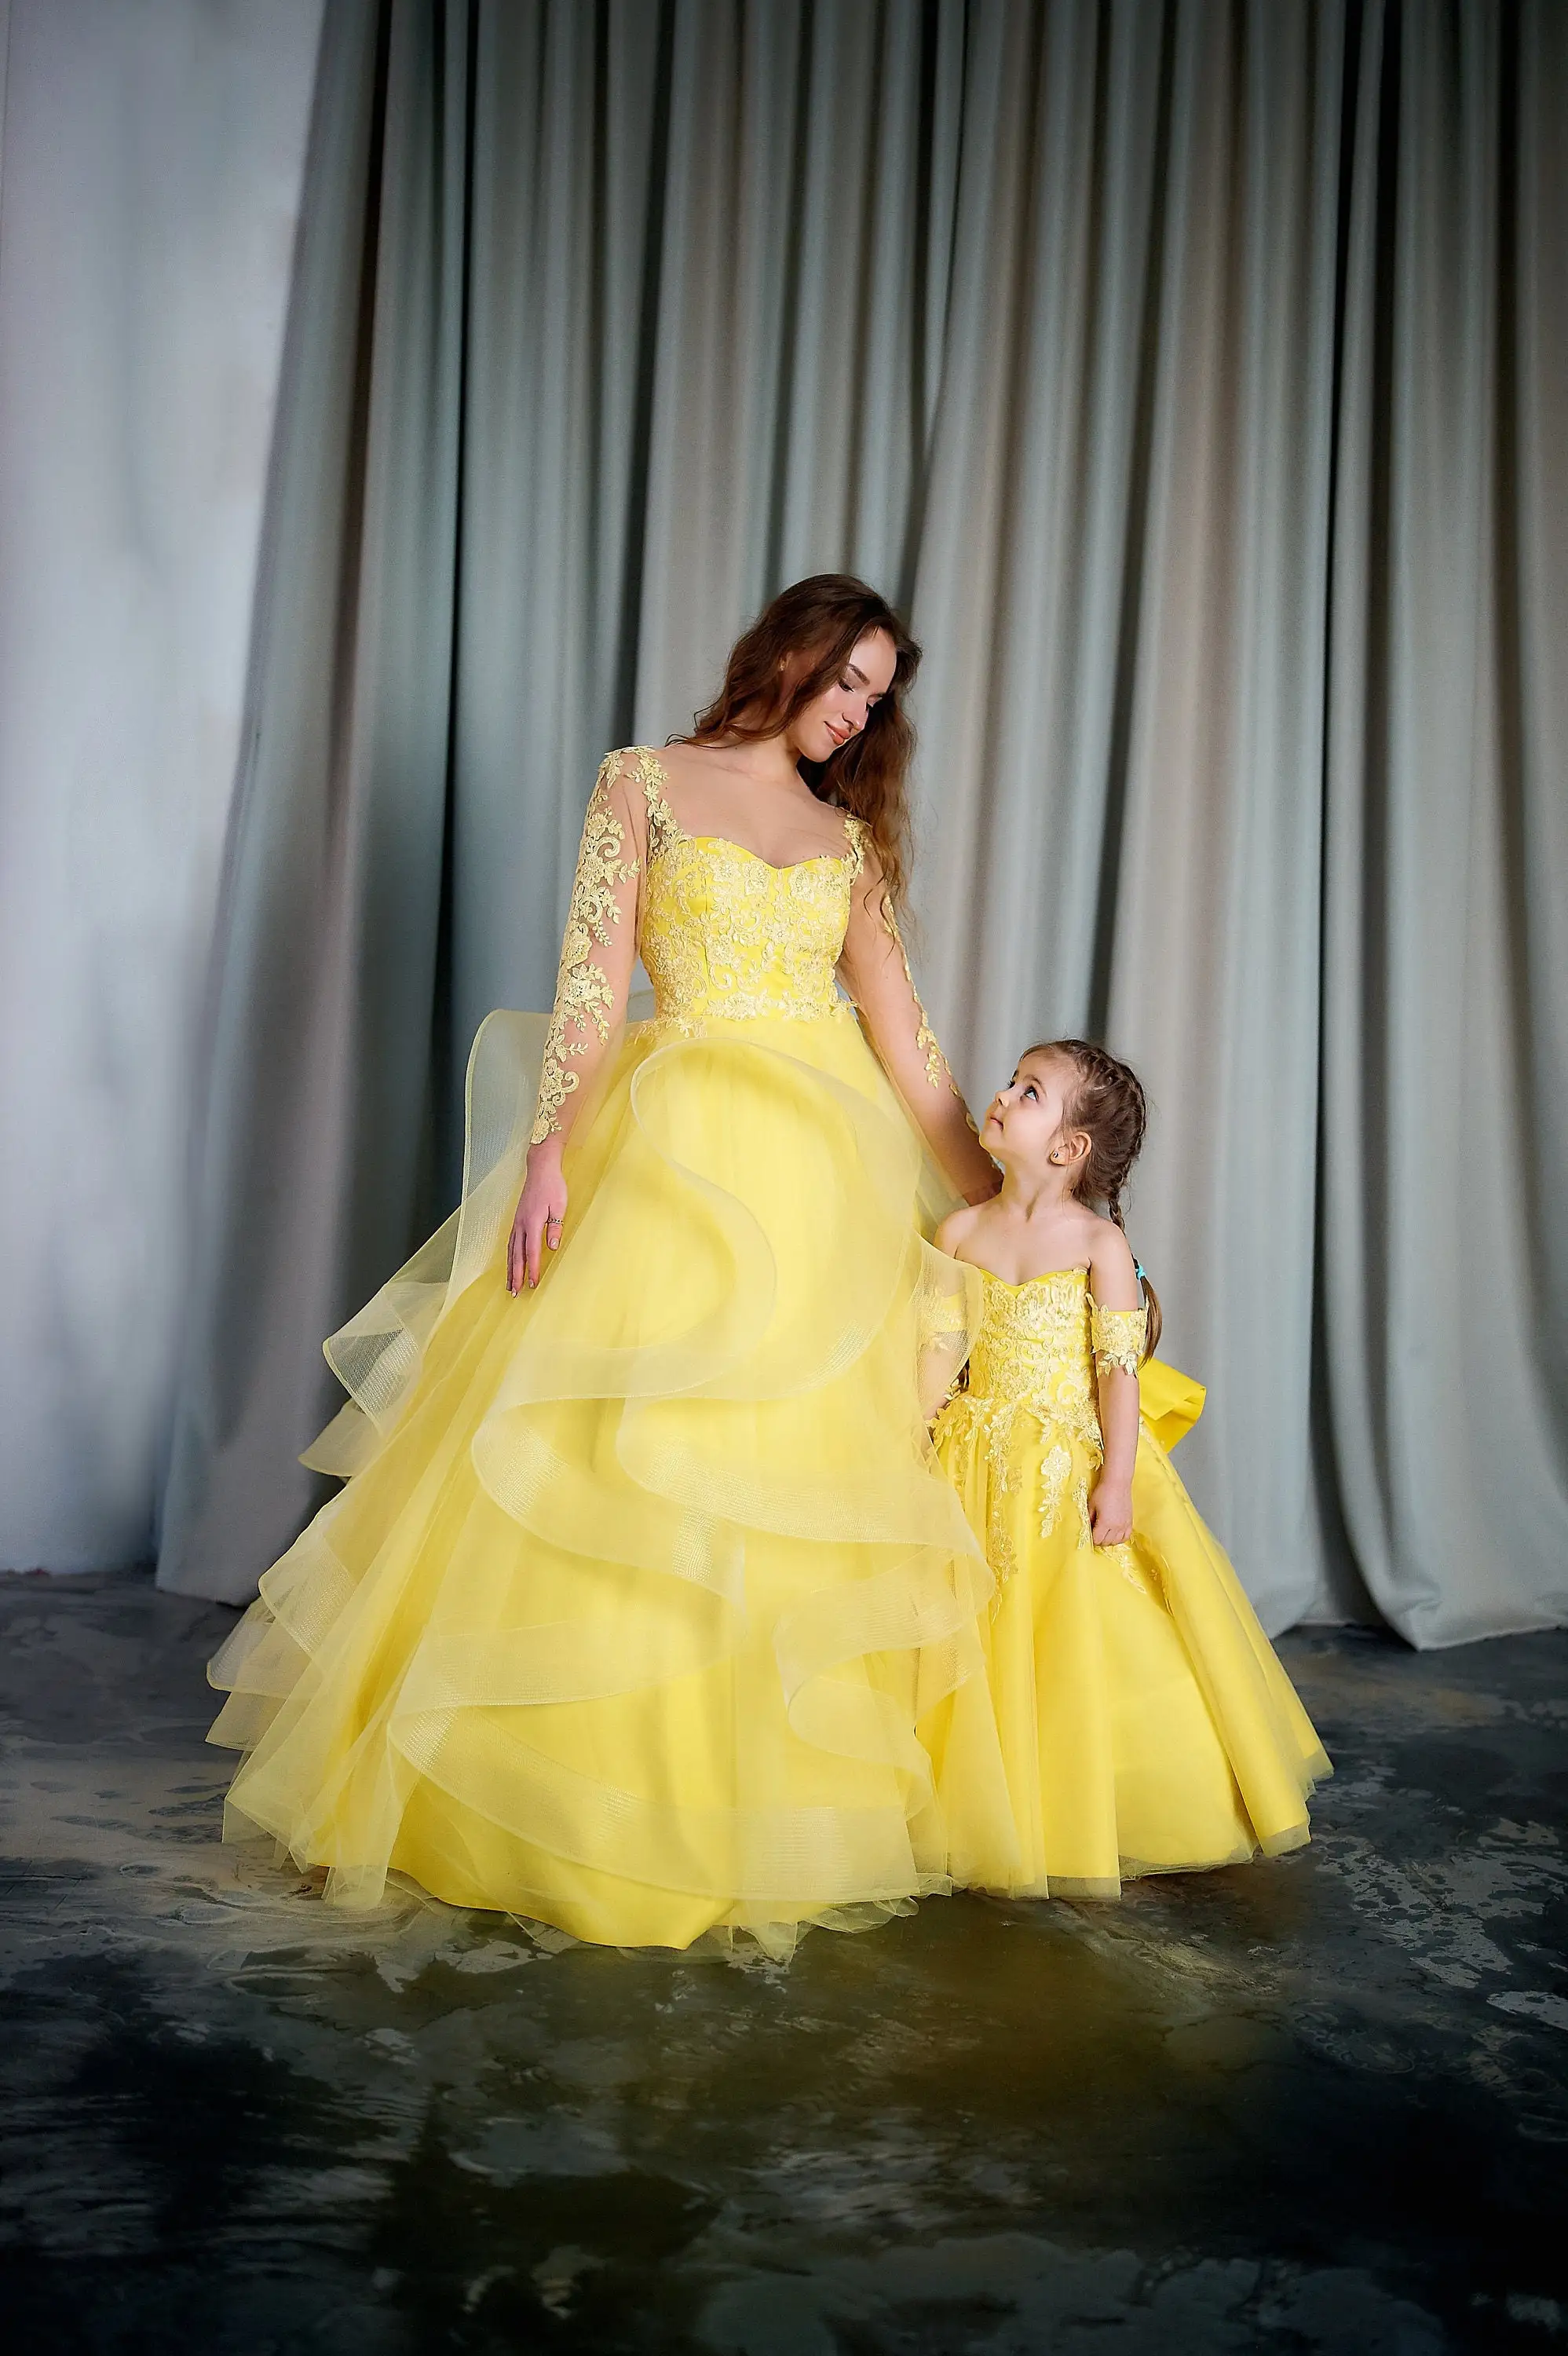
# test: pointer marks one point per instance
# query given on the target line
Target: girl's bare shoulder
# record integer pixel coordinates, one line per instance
(960, 1228)
(1112, 1270)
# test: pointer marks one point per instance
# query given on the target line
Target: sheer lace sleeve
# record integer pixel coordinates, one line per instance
(599, 947)
(876, 973)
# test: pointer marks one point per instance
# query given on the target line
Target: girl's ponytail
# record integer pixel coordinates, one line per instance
(1108, 1104)
(1151, 1303)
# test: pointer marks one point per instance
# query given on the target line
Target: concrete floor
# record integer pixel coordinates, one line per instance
(1318, 2106)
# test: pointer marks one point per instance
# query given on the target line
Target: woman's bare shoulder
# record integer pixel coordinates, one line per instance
(702, 763)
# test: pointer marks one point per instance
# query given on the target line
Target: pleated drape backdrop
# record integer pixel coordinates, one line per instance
(1197, 374)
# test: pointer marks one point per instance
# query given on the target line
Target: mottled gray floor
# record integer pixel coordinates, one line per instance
(1316, 2107)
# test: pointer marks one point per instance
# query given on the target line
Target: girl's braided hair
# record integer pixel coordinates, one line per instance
(1106, 1101)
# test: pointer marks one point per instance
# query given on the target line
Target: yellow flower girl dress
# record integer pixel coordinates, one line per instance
(641, 1580)
(1146, 1724)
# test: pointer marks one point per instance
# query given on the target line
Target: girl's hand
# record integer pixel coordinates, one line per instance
(541, 1217)
(1111, 1512)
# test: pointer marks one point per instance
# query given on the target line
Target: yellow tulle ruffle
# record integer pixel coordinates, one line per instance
(641, 1583)
(1145, 1723)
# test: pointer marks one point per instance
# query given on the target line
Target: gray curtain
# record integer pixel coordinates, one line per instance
(1197, 373)
(149, 166)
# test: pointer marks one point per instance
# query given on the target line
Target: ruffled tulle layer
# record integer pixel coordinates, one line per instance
(641, 1583)
(1146, 1725)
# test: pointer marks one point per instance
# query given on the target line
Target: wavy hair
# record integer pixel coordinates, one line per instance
(820, 622)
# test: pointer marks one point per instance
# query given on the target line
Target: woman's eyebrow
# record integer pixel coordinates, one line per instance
(856, 672)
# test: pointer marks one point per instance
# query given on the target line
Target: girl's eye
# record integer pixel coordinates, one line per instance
(1030, 1091)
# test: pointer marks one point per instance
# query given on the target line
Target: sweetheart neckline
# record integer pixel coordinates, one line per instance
(1017, 1284)
(818, 858)
(728, 842)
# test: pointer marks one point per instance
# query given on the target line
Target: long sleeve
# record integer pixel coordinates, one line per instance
(599, 947)
(876, 972)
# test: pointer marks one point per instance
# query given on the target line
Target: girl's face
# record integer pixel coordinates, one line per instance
(1027, 1120)
(820, 727)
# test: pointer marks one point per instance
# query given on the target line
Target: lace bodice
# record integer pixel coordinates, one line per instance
(726, 937)
(724, 934)
(1033, 1350)
(1032, 1396)
(1038, 1342)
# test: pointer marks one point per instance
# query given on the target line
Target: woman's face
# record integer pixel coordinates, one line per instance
(820, 727)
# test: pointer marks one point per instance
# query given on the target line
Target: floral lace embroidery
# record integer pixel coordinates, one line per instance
(944, 1316)
(936, 1070)
(1140, 1571)
(1081, 1501)
(584, 997)
(989, 1424)
(1055, 1466)
(726, 937)
(663, 825)
(1031, 1396)
(1118, 1337)
(1032, 1350)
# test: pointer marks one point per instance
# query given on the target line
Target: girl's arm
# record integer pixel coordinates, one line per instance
(875, 971)
(948, 1309)
(591, 991)
(1119, 1324)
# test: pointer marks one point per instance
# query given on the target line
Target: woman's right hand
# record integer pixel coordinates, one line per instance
(540, 1215)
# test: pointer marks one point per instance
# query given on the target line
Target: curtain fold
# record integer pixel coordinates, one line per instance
(1195, 373)
(319, 1056)
(1444, 965)
(150, 168)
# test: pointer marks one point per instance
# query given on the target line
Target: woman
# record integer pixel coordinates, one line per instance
(644, 1570)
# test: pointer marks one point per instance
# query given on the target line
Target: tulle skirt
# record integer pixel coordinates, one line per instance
(1145, 1723)
(640, 1582)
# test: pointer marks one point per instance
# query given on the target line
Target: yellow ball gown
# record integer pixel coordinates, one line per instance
(640, 1582)
(1146, 1724)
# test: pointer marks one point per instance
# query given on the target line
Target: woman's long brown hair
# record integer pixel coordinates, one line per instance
(819, 622)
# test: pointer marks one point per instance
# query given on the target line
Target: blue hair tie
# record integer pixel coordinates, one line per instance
(1138, 1272)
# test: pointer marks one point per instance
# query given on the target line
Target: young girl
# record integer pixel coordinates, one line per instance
(1146, 1723)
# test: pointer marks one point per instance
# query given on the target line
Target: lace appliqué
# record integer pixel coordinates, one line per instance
(988, 1424)
(726, 936)
(584, 997)
(1032, 1350)
(936, 1070)
(944, 1314)
(1031, 1408)
(1118, 1337)
(1055, 1466)
(664, 828)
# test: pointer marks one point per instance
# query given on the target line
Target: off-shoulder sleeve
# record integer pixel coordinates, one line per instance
(600, 946)
(876, 972)
(1119, 1338)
